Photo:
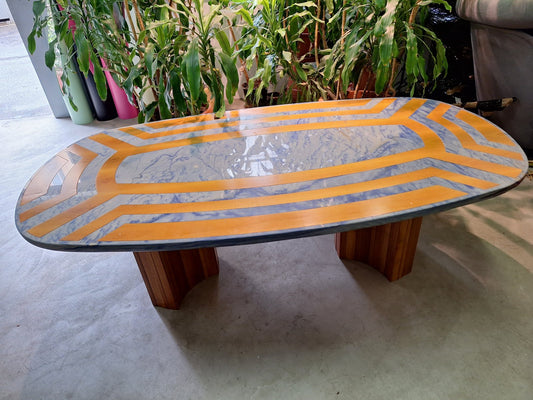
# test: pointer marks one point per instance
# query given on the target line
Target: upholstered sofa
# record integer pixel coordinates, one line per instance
(502, 45)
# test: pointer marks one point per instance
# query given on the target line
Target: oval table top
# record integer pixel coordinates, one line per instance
(263, 174)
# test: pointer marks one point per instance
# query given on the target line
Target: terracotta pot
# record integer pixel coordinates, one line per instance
(366, 84)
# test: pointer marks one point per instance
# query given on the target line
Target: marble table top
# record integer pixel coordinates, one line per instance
(263, 174)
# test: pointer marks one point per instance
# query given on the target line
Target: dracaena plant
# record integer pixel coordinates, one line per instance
(161, 52)
(271, 33)
(175, 68)
(390, 39)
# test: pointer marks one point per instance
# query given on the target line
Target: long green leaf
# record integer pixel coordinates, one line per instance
(164, 111)
(82, 48)
(230, 70)
(301, 73)
(99, 78)
(223, 41)
(442, 2)
(149, 59)
(382, 77)
(245, 14)
(175, 82)
(192, 64)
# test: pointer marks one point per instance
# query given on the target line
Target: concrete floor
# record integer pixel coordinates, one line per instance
(284, 320)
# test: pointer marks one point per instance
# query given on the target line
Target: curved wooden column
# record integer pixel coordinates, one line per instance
(389, 248)
(169, 275)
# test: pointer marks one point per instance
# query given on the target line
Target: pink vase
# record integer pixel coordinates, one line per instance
(125, 109)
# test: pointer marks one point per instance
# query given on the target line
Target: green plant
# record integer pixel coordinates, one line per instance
(171, 57)
(270, 41)
(161, 52)
(68, 43)
(387, 37)
(177, 59)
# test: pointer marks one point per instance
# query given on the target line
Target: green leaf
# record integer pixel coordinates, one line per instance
(175, 83)
(301, 73)
(31, 42)
(164, 111)
(38, 7)
(380, 3)
(220, 112)
(282, 32)
(82, 48)
(443, 2)
(267, 72)
(149, 111)
(411, 47)
(192, 64)
(128, 84)
(422, 68)
(223, 41)
(149, 59)
(306, 4)
(382, 77)
(50, 55)
(329, 69)
(230, 70)
(140, 38)
(72, 104)
(246, 16)
(99, 78)
(441, 63)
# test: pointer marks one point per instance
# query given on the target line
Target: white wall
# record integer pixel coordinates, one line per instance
(21, 11)
(4, 11)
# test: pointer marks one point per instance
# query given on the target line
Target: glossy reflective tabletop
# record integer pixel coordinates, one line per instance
(172, 191)
(265, 174)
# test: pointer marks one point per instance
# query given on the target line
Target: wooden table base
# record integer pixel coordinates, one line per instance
(169, 275)
(389, 248)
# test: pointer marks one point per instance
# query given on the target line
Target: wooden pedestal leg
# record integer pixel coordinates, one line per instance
(389, 248)
(169, 275)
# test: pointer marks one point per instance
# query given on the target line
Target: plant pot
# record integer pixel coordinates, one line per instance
(125, 109)
(83, 115)
(366, 85)
(267, 98)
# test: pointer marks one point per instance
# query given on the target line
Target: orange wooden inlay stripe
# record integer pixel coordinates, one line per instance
(218, 205)
(490, 131)
(41, 181)
(66, 216)
(70, 183)
(225, 124)
(486, 166)
(281, 221)
(466, 140)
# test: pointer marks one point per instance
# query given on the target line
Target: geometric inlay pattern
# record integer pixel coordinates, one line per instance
(265, 174)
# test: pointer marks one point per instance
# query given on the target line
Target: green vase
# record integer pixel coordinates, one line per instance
(84, 113)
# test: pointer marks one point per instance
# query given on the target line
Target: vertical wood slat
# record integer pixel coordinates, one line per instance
(388, 248)
(169, 275)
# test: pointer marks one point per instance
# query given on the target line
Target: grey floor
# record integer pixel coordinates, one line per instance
(284, 320)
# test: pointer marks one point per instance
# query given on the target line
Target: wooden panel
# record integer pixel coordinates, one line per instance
(388, 248)
(169, 275)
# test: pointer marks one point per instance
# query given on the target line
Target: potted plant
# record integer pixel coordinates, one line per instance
(270, 42)
(388, 42)
(161, 53)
